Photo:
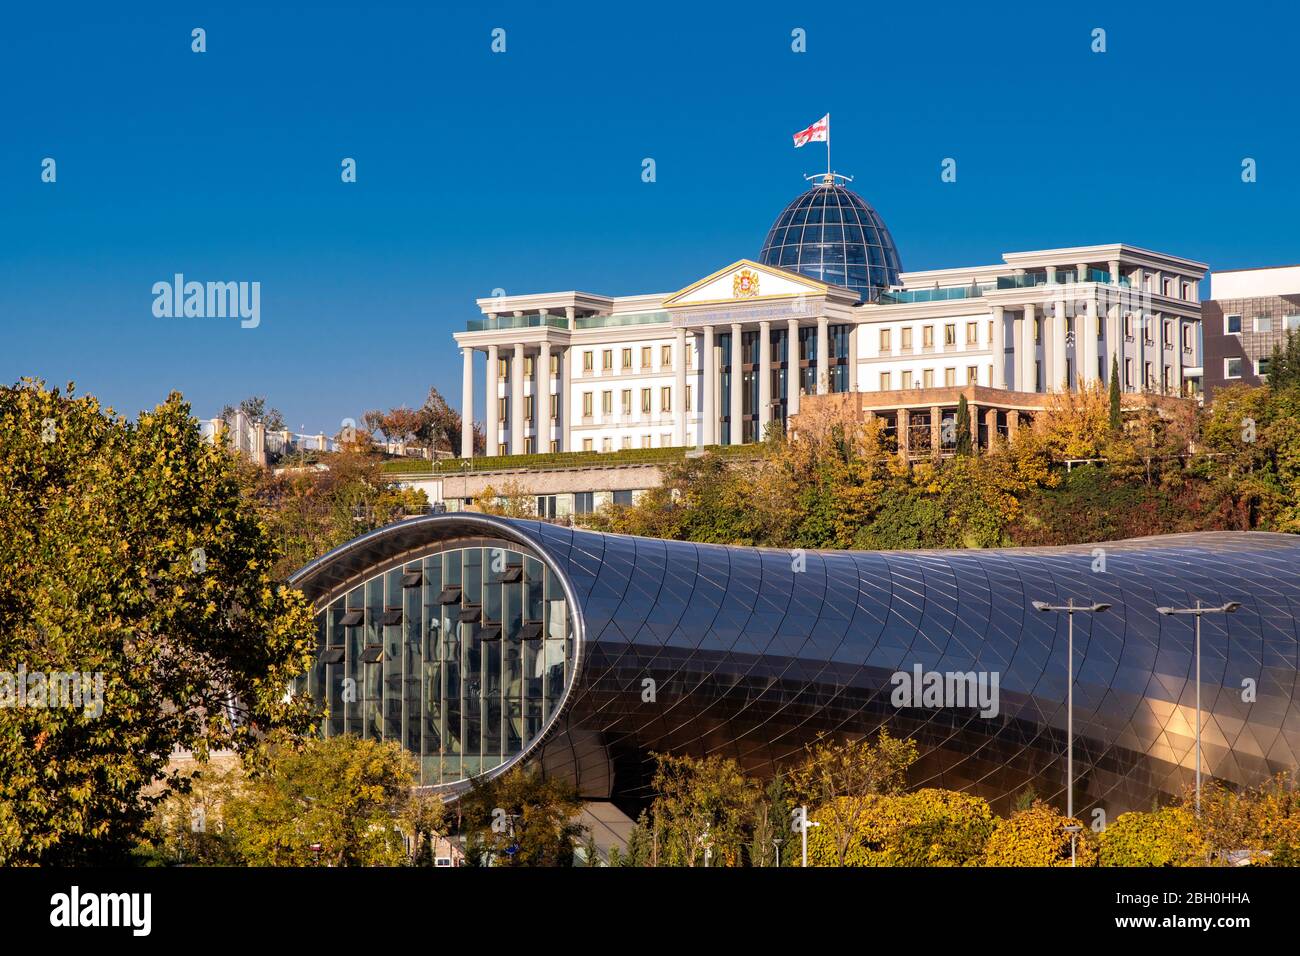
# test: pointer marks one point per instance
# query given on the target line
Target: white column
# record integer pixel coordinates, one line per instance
(517, 401)
(707, 385)
(1028, 381)
(1158, 347)
(565, 399)
(542, 399)
(1176, 361)
(1085, 345)
(999, 348)
(1058, 366)
(764, 378)
(1114, 342)
(853, 357)
(737, 410)
(467, 405)
(792, 372)
(491, 415)
(823, 355)
(1112, 266)
(679, 395)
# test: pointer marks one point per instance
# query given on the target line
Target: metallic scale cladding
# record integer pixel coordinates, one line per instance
(629, 645)
(832, 234)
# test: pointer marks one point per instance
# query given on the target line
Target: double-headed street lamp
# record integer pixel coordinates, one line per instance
(1198, 611)
(1069, 608)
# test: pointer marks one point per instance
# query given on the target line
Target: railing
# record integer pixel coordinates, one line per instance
(903, 296)
(490, 324)
(614, 321)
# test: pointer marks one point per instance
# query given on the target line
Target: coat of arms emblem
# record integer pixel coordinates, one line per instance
(744, 284)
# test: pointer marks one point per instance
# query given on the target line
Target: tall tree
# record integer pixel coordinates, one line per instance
(129, 556)
(1116, 418)
(1284, 364)
(963, 427)
(256, 409)
(703, 807)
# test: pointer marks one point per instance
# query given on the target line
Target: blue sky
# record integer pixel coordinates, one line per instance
(521, 170)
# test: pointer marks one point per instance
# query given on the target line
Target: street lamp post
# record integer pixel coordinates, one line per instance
(1069, 608)
(804, 824)
(776, 842)
(1197, 612)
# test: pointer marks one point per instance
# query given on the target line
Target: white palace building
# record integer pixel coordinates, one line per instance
(826, 310)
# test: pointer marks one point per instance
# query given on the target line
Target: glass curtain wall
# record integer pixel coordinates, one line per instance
(462, 656)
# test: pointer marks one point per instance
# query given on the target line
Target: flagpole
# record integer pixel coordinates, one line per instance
(828, 144)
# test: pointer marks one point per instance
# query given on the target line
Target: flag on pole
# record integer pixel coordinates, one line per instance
(818, 132)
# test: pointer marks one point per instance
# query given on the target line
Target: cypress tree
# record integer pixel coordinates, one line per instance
(963, 427)
(1116, 422)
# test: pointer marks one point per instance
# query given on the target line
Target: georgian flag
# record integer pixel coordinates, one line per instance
(818, 132)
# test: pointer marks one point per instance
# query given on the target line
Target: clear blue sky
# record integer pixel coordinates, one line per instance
(522, 170)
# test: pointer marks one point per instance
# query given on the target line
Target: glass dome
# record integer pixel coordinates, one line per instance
(830, 233)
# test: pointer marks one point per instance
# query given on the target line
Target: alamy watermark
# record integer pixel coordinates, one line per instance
(208, 300)
(53, 690)
(921, 688)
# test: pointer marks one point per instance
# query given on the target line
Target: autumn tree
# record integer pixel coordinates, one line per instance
(335, 801)
(129, 555)
(837, 780)
(521, 818)
(1038, 836)
(702, 804)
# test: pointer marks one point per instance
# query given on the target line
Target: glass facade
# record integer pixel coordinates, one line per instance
(463, 655)
(830, 233)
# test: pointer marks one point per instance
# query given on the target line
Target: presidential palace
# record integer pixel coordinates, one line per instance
(826, 310)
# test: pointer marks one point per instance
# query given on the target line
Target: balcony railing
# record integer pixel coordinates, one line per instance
(614, 321)
(903, 296)
(490, 324)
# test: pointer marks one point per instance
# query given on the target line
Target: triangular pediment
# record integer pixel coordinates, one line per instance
(746, 281)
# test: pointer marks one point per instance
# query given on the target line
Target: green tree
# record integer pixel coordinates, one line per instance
(1166, 837)
(1116, 416)
(128, 555)
(963, 427)
(522, 818)
(773, 826)
(837, 779)
(702, 803)
(1284, 364)
(343, 794)
(256, 409)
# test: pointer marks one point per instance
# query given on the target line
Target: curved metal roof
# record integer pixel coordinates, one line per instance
(754, 651)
